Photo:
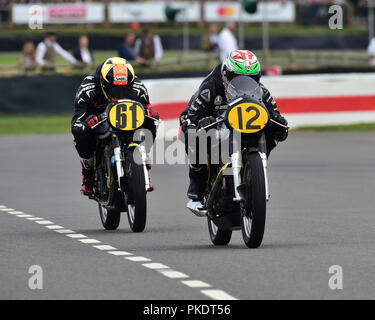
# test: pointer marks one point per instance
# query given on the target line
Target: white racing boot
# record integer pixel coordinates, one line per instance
(196, 207)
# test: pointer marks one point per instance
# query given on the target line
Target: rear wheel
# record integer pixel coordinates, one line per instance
(218, 236)
(136, 200)
(110, 217)
(253, 211)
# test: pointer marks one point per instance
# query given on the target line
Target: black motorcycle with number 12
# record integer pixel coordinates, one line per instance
(237, 190)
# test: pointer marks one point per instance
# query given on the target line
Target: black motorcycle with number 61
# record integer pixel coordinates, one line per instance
(121, 175)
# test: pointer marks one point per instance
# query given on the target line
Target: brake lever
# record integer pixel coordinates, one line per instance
(147, 116)
(212, 124)
(279, 124)
(99, 123)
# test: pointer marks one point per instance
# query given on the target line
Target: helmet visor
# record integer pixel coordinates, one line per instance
(118, 92)
(230, 75)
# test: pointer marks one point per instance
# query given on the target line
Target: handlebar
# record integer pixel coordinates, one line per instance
(218, 120)
(279, 124)
(102, 118)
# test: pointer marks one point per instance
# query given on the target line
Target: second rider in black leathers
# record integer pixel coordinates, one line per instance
(212, 96)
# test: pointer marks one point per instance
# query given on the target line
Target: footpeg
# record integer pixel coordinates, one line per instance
(197, 208)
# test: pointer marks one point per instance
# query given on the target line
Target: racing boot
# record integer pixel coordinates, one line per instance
(198, 176)
(88, 176)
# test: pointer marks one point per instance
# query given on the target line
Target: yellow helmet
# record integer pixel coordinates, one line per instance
(116, 76)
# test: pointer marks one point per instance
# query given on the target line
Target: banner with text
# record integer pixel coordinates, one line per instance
(152, 12)
(231, 11)
(58, 13)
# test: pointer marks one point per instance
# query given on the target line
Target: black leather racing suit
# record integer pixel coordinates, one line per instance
(90, 100)
(211, 98)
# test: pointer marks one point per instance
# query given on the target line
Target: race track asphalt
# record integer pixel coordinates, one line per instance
(321, 214)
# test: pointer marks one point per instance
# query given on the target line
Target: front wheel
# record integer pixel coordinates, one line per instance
(218, 236)
(110, 217)
(253, 210)
(136, 199)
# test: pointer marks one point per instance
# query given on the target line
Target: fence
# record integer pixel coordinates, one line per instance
(290, 61)
(306, 100)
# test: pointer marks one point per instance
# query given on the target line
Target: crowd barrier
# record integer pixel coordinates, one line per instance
(305, 99)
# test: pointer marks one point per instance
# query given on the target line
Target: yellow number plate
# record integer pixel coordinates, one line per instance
(248, 117)
(126, 116)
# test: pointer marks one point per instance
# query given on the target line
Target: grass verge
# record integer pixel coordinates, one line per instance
(343, 127)
(13, 125)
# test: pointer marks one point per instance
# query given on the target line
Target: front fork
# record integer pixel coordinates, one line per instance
(236, 159)
(262, 149)
(142, 150)
(118, 157)
(264, 162)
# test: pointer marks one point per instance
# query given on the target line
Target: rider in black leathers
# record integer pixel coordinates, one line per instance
(210, 97)
(114, 79)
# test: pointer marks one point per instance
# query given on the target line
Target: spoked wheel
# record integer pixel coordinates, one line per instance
(131, 213)
(253, 211)
(110, 217)
(218, 237)
(136, 200)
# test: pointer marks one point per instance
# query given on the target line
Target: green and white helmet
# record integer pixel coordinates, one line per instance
(240, 63)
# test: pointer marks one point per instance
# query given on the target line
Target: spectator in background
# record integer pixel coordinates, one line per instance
(83, 53)
(274, 70)
(126, 50)
(371, 51)
(210, 42)
(27, 59)
(227, 41)
(5, 7)
(149, 46)
(46, 50)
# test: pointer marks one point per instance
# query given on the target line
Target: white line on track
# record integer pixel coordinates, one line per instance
(24, 215)
(155, 266)
(120, 253)
(104, 247)
(138, 259)
(76, 236)
(44, 222)
(195, 284)
(64, 231)
(89, 241)
(54, 227)
(173, 274)
(163, 269)
(217, 294)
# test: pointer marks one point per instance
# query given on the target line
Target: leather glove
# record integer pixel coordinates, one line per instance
(91, 122)
(280, 119)
(152, 113)
(280, 131)
(204, 122)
